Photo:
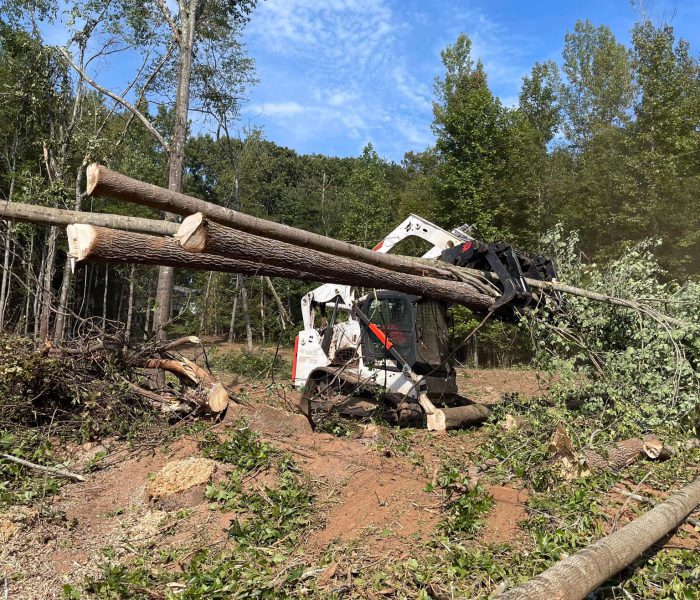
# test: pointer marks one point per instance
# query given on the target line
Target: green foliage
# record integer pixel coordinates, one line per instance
(260, 364)
(274, 513)
(85, 395)
(369, 211)
(241, 446)
(467, 502)
(634, 372)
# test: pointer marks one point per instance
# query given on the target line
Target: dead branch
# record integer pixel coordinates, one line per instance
(43, 468)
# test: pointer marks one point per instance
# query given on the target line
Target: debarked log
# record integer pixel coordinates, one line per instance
(43, 215)
(200, 235)
(576, 576)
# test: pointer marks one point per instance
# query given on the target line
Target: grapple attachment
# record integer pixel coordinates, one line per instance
(510, 265)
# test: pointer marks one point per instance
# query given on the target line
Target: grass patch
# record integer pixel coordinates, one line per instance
(260, 364)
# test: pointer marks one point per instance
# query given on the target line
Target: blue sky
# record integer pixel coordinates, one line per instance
(336, 74)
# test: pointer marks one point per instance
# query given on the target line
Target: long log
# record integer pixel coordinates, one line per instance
(89, 243)
(100, 244)
(581, 573)
(198, 234)
(29, 213)
(102, 181)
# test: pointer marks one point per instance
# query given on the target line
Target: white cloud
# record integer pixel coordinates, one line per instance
(277, 109)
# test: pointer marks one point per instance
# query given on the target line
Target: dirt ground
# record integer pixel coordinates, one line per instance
(371, 498)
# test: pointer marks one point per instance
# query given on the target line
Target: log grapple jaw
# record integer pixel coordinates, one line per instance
(510, 265)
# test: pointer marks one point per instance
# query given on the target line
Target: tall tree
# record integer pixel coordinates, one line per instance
(598, 91)
(201, 34)
(666, 146)
(467, 123)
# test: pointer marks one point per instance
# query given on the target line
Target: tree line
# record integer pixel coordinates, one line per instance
(605, 142)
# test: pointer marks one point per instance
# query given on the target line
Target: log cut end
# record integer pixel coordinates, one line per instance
(93, 177)
(192, 235)
(80, 240)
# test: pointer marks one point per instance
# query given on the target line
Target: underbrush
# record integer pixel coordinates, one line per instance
(261, 364)
(49, 400)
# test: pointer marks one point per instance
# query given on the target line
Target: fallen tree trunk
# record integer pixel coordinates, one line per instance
(200, 235)
(191, 373)
(99, 244)
(29, 213)
(101, 181)
(581, 573)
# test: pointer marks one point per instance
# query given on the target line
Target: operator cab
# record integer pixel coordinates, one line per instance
(416, 327)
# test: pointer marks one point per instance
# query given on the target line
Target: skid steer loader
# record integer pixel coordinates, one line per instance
(390, 351)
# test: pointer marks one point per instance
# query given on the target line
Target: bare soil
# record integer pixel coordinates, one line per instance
(371, 494)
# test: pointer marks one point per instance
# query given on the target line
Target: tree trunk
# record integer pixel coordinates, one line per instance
(246, 316)
(576, 576)
(99, 244)
(4, 287)
(104, 300)
(232, 324)
(149, 301)
(46, 291)
(262, 311)
(28, 274)
(284, 315)
(42, 215)
(205, 307)
(176, 162)
(104, 182)
(61, 313)
(130, 305)
(197, 234)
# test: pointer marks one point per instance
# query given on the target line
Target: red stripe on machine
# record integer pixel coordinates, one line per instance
(378, 246)
(294, 363)
(381, 336)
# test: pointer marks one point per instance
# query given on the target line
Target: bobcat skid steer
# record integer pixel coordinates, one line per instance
(390, 351)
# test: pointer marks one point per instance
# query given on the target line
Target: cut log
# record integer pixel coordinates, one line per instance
(28, 213)
(457, 417)
(200, 235)
(581, 573)
(101, 181)
(622, 454)
(218, 398)
(99, 244)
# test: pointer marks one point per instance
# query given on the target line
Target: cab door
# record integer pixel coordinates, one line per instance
(392, 322)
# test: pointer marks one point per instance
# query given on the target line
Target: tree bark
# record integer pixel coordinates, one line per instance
(104, 300)
(28, 274)
(262, 311)
(197, 234)
(87, 242)
(99, 244)
(205, 307)
(232, 323)
(46, 292)
(246, 316)
(176, 162)
(28, 213)
(104, 182)
(581, 573)
(130, 305)
(4, 288)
